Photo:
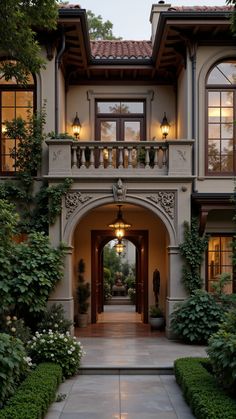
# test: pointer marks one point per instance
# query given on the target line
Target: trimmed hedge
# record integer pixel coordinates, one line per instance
(206, 399)
(35, 394)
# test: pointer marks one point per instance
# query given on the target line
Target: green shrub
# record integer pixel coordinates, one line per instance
(54, 319)
(222, 353)
(13, 365)
(132, 295)
(59, 348)
(15, 327)
(197, 318)
(35, 394)
(206, 399)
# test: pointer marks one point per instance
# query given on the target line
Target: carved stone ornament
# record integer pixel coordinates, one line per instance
(119, 191)
(166, 200)
(73, 200)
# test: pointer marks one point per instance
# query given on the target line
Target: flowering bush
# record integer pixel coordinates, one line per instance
(54, 319)
(56, 347)
(16, 327)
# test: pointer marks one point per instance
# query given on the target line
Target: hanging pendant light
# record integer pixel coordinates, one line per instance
(119, 246)
(119, 224)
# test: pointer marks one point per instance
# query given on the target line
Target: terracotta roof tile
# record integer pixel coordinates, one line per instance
(201, 9)
(121, 49)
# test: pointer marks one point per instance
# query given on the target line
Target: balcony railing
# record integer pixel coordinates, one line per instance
(89, 158)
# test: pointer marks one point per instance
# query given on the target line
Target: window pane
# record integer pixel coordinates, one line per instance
(214, 130)
(214, 114)
(8, 164)
(226, 130)
(214, 98)
(24, 113)
(227, 115)
(8, 114)
(8, 98)
(132, 131)
(227, 99)
(229, 71)
(132, 107)
(227, 163)
(219, 261)
(24, 99)
(108, 107)
(108, 131)
(7, 146)
(216, 77)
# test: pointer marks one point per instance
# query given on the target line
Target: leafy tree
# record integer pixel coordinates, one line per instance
(233, 18)
(99, 29)
(17, 37)
(112, 261)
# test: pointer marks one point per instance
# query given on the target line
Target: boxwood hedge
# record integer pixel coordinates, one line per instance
(201, 391)
(35, 394)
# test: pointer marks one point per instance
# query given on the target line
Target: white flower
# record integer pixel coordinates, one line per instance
(52, 355)
(42, 340)
(69, 352)
(44, 331)
(65, 340)
(55, 325)
(8, 318)
(34, 338)
(28, 360)
(14, 318)
(13, 329)
(8, 322)
(51, 341)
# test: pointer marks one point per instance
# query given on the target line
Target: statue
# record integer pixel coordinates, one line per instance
(156, 285)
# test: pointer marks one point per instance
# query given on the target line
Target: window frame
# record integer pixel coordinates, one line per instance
(14, 88)
(207, 283)
(219, 88)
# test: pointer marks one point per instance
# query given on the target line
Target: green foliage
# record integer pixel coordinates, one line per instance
(111, 261)
(206, 399)
(192, 250)
(98, 29)
(36, 268)
(83, 289)
(54, 319)
(132, 295)
(197, 318)
(35, 394)
(15, 327)
(17, 38)
(13, 365)
(130, 281)
(155, 311)
(107, 283)
(233, 16)
(222, 353)
(60, 348)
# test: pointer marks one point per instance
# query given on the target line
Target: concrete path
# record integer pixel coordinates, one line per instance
(120, 397)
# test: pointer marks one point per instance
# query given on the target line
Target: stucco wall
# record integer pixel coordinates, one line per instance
(182, 105)
(162, 99)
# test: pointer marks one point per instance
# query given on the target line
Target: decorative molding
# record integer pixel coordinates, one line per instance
(166, 200)
(119, 191)
(73, 200)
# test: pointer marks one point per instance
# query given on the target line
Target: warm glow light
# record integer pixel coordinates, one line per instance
(119, 247)
(119, 224)
(4, 128)
(165, 127)
(76, 126)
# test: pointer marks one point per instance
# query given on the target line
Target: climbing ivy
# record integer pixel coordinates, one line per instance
(37, 209)
(192, 250)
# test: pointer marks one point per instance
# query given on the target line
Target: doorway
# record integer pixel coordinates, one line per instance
(99, 239)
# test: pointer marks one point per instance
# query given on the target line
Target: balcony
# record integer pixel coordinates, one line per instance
(88, 159)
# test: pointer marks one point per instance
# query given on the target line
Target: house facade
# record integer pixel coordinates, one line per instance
(123, 92)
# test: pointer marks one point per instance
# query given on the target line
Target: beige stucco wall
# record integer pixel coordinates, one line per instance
(141, 219)
(62, 102)
(81, 99)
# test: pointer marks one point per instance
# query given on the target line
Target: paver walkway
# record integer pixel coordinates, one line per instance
(123, 375)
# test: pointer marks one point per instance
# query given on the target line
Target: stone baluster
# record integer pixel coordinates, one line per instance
(109, 148)
(147, 158)
(92, 160)
(74, 156)
(83, 160)
(120, 156)
(130, 149)
(100, 157)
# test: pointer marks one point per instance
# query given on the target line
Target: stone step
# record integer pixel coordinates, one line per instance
(117, 370)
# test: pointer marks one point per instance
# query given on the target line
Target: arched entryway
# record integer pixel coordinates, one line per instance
(99, 238)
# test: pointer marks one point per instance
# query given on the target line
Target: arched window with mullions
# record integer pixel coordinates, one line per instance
(221, 114)
(15, 101)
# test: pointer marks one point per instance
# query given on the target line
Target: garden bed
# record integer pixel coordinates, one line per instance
(201, 391)
(35, 394)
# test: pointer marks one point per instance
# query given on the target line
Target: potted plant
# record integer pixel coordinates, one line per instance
(156, 317)
(83, 294)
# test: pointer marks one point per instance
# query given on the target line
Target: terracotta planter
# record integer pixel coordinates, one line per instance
(83, 320)
(156, 322)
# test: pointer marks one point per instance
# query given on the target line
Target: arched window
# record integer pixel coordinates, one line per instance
(15, 101)
(221, 114)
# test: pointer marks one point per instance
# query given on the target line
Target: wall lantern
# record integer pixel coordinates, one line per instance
(119, 246)
(76, 126)
(165, 127)
(119, 224)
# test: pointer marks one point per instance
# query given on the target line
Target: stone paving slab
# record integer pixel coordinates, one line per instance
(120, 397)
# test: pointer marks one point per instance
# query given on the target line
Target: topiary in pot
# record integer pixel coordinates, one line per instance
(83, 294)
(156, 317)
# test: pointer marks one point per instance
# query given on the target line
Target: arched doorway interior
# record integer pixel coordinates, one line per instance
(99, 238)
